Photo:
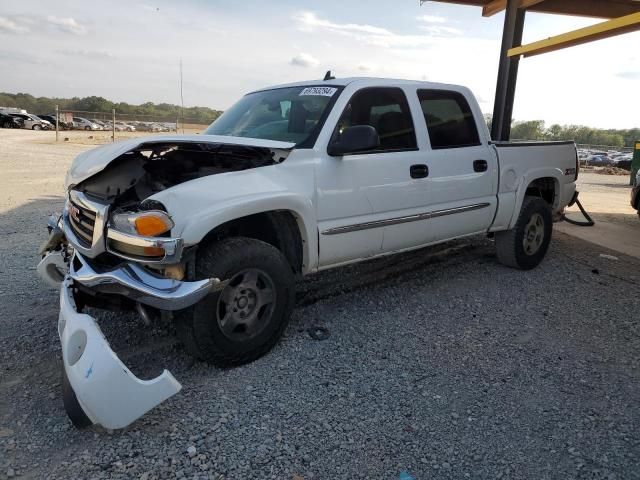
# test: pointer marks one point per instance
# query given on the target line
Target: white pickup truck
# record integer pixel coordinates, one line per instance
(213, 229)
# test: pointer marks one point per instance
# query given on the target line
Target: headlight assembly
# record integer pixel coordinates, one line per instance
(136, 236)
(148, 224)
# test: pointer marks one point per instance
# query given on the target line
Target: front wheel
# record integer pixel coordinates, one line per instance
(527, 243)
(36, 127)
(244, 320)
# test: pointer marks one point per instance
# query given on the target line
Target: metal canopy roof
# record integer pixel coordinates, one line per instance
(623, 16)
(584, 8)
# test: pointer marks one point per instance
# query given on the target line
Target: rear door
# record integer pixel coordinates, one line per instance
(463, 168)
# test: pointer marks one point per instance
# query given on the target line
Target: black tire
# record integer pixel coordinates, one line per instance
(36, 127)
(514, 247)
(87, 128)
(208, 337)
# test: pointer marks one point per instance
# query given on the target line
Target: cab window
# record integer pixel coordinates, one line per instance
(386, 110)
(449, 119)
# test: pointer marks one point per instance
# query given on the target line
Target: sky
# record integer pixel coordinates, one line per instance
(130, 51)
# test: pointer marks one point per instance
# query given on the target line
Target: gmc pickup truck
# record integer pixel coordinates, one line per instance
(213, 229)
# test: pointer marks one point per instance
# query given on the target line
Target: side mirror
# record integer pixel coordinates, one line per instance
(358, 138)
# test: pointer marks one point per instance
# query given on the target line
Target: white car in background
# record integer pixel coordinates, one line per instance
(125, 127)
(80, 123)
(32, 122)
(101, 123)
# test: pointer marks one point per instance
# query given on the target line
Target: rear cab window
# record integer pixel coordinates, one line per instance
(386, 109)
(449, 119)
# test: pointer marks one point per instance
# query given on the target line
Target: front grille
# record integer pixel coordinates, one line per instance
(83, 222)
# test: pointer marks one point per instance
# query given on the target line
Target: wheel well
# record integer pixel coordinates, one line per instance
(544, 188)
(278, 228)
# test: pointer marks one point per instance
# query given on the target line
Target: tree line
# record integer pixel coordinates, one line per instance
(536, 130)
(156, 111)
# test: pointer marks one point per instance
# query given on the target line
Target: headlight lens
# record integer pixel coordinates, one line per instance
(148, 224)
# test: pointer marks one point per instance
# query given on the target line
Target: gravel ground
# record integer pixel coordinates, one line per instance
(440, 363)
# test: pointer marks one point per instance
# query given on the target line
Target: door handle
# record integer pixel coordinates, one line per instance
(419, 171)
(480, 165)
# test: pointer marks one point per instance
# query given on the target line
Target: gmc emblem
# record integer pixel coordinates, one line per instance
(75, 213)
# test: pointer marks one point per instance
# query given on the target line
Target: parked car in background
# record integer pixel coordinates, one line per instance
(31, 122)
(126, 127)
(8, 121)
(635, 194)
(109, 124)
(599, 160)
(141, 126)
(100, 123)
(80, 123)
(52, 120)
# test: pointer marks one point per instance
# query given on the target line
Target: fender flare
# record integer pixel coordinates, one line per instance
(207, 219)
(531, 176)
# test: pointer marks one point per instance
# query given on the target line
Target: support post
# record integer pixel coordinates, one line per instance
(57, 120)
(113, 124)
(507, 72)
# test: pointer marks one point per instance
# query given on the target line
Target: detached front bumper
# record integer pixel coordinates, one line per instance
(106, 390)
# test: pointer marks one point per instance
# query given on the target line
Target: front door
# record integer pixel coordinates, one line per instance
(361, 195)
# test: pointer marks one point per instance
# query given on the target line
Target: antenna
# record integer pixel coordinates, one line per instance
(181, 99)
(328, 76)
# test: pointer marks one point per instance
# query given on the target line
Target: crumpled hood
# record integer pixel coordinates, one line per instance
(93, 161)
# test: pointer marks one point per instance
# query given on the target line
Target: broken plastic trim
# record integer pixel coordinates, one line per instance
(105, 390)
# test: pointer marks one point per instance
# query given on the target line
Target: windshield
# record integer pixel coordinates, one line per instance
(292, 114)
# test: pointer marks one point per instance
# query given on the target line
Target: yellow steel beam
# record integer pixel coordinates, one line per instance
(495, 6)
(610, 28)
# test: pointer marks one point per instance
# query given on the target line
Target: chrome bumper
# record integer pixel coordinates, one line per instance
(140, 285)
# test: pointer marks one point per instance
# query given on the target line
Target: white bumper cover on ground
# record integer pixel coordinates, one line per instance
(107, 391)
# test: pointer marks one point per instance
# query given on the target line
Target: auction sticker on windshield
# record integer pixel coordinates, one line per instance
(319, 91)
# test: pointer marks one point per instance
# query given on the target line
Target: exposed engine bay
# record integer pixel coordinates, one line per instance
(153, 167)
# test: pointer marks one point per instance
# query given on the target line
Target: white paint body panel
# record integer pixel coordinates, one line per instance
(521, 165)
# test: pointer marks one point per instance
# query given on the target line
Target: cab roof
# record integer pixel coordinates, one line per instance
(363, 82)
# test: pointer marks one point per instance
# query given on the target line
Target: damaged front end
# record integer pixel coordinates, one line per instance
(114, 246)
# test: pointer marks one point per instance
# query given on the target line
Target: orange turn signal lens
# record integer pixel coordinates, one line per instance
(151, 225)
(153, 251)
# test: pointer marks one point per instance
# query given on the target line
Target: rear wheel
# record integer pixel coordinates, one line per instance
(525, 245)
(244, 320)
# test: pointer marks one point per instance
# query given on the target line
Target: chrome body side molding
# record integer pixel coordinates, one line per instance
(409, 218)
